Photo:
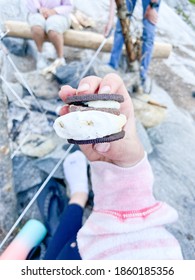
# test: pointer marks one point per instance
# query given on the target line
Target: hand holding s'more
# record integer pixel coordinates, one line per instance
(99, 117)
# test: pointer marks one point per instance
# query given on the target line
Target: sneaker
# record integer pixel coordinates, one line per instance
(41, 61)
(147, 86)
(143, 87)
(52, 67)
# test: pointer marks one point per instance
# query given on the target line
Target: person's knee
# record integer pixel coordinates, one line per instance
(53, 34)
(38, 30)
(55, 24)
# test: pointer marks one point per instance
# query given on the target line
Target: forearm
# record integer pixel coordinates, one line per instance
(133, 185)
(127, 222)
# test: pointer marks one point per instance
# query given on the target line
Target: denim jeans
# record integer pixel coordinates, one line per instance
(147, 41)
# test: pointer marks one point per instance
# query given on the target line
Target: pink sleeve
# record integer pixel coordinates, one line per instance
(133, 185)
(65, 8)
(127, 221)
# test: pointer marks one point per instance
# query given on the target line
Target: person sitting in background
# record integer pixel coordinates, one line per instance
(126, 222)
(150, 18)
(51, 18)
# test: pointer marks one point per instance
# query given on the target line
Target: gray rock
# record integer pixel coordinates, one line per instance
(23, 198)
(17, 46)
(70, 74)
(37, 145)
(17, 90)
(149, 115)
(13, 63)
(48, 164)
(26, 174)
(40, 86)
(143, 136)
(172, 161)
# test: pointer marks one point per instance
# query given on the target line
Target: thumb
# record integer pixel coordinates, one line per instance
(113, 151)
(102, 147)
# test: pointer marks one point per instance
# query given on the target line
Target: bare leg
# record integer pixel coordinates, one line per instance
(58, 41)
(79, 198)
(38, 35)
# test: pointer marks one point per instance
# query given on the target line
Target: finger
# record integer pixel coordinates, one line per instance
(125, 152)
(112, 83)
(64, 110)
(66, 91)
(88, 85)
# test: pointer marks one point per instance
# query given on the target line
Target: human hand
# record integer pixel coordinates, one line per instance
(47, 12)
(151, 15)
(125, 152)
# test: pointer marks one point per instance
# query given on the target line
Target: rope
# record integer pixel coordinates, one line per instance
(15, 94)
(25, 84)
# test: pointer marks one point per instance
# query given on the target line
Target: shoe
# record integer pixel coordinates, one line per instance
(52, 68)
(60, 61)
(145, 87)
(41, 61)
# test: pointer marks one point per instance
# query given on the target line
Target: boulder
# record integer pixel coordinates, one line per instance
(40, 86)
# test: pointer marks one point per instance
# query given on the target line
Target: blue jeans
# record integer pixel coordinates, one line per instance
(147, 38)
(60, 247)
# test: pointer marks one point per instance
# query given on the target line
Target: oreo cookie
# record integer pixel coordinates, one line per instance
(81, 99)
(92, 118)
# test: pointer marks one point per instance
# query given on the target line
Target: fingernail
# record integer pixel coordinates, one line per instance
(102, 147)
(83, 87)
(105, 89)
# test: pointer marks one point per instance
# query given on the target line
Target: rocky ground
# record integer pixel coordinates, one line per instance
(180, 92)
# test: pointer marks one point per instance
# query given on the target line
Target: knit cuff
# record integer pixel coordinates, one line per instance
(122, 189)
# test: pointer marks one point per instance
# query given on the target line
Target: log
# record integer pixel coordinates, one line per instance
(81, 39)
(133, 50)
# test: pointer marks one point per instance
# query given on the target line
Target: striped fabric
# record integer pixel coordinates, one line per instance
(127, 222)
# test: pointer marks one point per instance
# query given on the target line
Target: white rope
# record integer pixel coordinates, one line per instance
(94, 57)
(25, 84)
(15, 94)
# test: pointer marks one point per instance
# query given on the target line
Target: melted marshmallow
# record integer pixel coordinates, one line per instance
(104, 104)
(88, 125)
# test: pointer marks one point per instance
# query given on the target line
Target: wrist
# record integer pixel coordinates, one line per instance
(111, 182)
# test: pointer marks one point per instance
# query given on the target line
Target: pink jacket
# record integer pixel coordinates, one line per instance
(127, 222)
(62, 7)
